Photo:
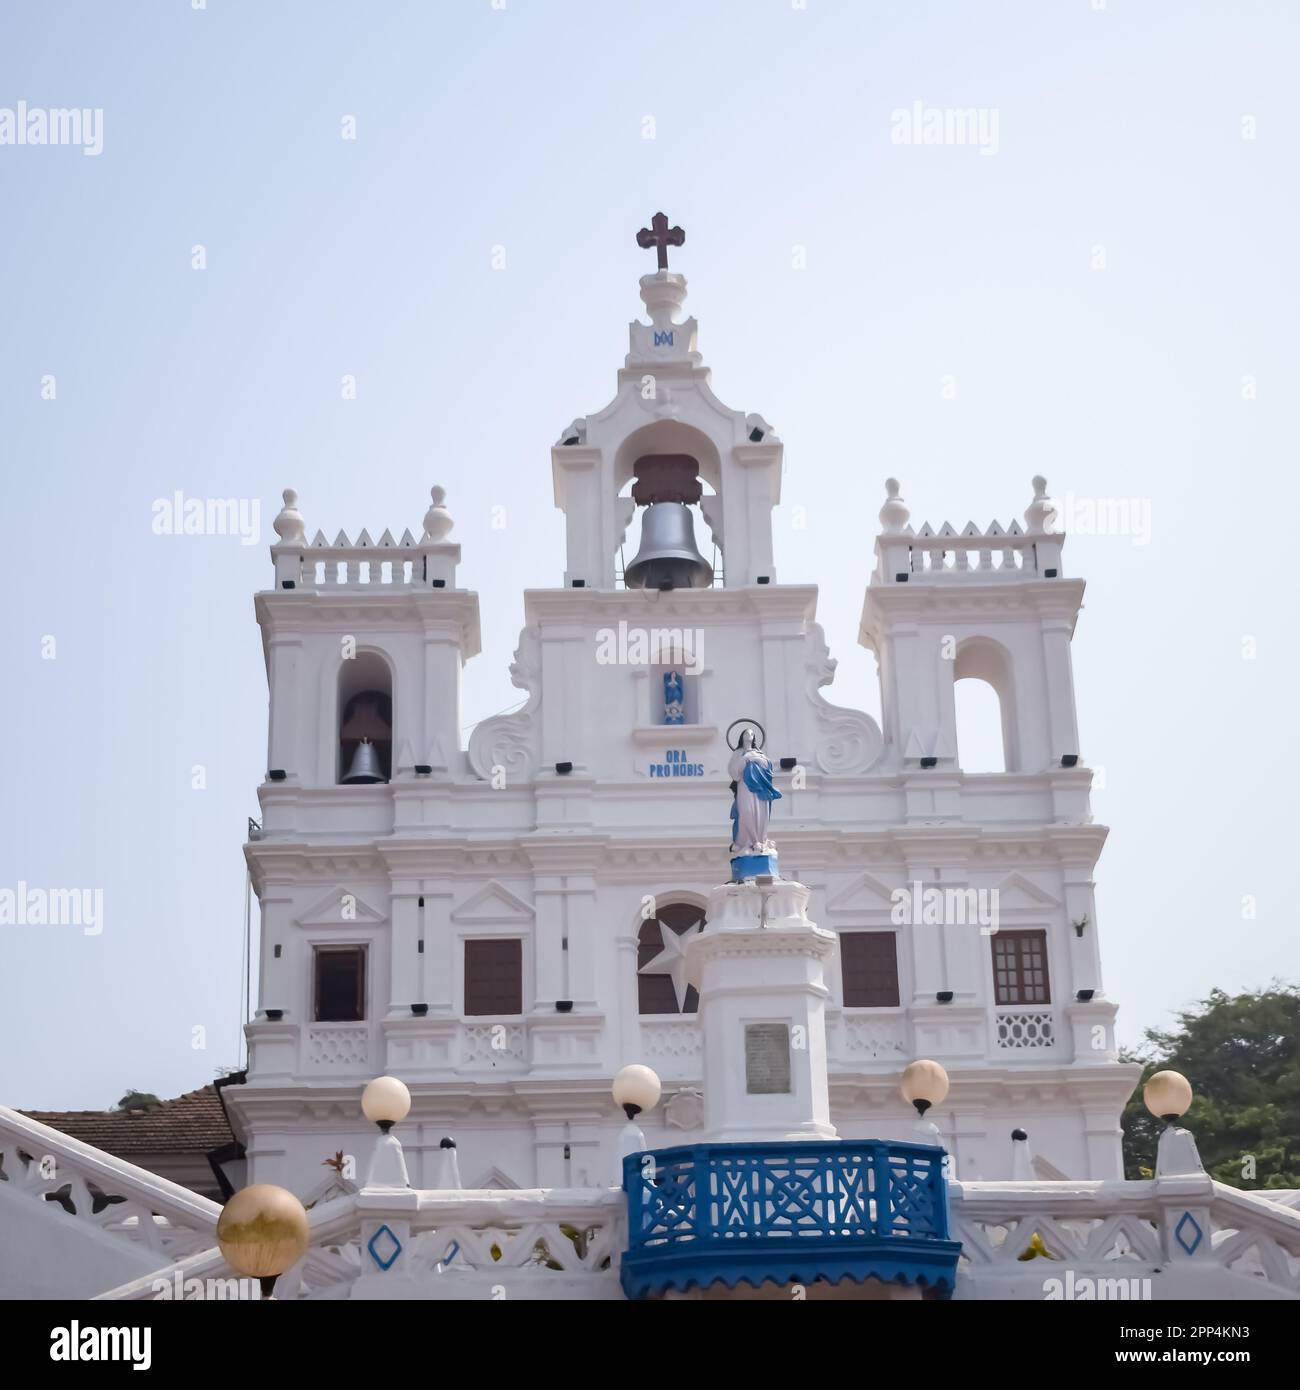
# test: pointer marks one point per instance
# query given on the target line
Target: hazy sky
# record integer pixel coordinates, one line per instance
(1104, 291)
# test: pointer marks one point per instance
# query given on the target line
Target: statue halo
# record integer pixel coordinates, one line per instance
(760, 733)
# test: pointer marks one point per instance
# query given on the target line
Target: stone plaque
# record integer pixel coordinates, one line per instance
(767, 1059)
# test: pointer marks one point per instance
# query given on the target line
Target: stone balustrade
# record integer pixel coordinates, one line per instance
(1173, 1237)
(65, 1201)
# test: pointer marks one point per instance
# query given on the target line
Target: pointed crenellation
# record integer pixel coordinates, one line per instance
(343, 563)
(995, 554)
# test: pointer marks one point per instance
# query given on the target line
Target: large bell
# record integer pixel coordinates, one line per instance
(668, 558)
(366, 766)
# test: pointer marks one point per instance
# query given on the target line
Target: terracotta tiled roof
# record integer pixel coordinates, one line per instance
(192, 1123)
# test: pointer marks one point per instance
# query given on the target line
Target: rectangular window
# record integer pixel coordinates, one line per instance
(494, 977)
(869, 969)
(1020, 967)
(340, 984)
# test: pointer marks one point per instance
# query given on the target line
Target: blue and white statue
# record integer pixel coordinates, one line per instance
(674, 702)
(753, 854)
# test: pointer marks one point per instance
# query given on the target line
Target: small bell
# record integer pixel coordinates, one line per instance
(365, 765)
(667, 557)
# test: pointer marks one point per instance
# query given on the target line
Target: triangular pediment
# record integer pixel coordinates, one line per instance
(866, 893)
(497, 1181)
(493, 903)
(1016, 891)
(1046, 1170)
(340, 907)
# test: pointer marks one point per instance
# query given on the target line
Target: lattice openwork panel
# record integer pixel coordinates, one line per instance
(782, 1191)
(494, 1045)
(1009, 1238)
(338, 1045)
(671, 1039)
(1030, 1028)
(871, 1038)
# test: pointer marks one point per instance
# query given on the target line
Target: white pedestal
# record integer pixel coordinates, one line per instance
(760, 968)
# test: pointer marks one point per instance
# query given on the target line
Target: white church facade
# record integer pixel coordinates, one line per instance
(509, 927)
(476, 921)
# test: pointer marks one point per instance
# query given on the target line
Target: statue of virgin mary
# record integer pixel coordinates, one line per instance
(751, 772)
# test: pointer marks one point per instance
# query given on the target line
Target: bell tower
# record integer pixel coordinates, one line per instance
(692, 627)
(667, 430)
(991, 605)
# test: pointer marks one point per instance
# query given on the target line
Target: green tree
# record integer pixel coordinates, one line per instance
(138, 1100)
(1240, 1053)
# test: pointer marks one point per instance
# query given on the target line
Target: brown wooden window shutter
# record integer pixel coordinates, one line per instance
(869, 969)
(494, 977)
(340, 983)
(1020, 967)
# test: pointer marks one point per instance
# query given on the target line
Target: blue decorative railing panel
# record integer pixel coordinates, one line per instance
(789, 1212)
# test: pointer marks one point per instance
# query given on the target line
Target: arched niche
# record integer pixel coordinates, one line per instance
(984, 702)
(672, 437)
(364, 711)
(675, 913)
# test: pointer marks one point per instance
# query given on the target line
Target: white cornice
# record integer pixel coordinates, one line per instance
(891, 604)
(694, 856)
(672, 607)
(285, 613)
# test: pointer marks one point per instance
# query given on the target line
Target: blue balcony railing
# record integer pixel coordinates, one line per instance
(789, 1212)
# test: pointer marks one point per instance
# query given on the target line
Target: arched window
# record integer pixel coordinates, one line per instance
(984, 707)
(365, 712)
(661, 960)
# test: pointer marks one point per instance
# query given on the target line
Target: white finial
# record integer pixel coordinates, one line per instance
(288, 525)
(437, 520)
(894, 514)
(663, 295)
(1040, 510)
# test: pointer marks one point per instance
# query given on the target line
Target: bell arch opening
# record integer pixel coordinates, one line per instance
(364, 744)
(671, 474)
(984, 707)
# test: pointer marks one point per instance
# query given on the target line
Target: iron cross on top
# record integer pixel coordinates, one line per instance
(661, 236)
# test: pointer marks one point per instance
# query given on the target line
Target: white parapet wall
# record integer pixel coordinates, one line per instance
(1099, 1241)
